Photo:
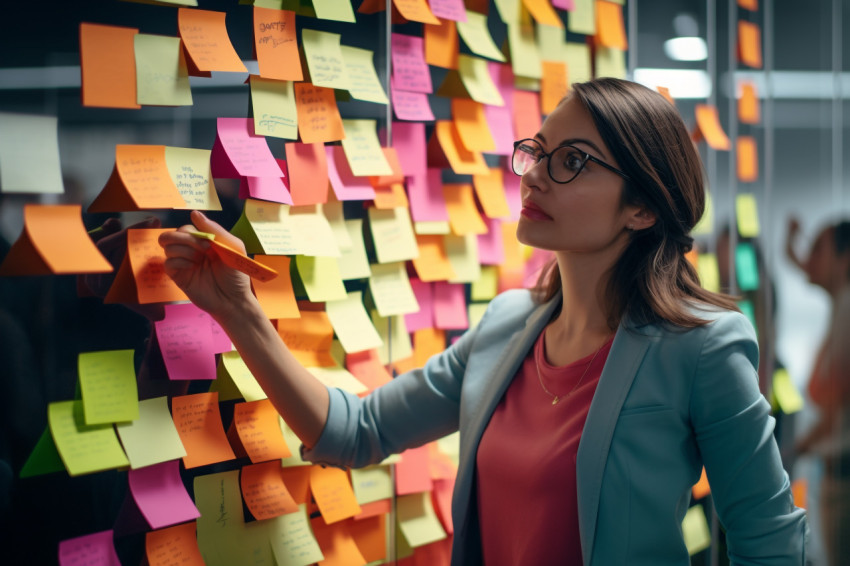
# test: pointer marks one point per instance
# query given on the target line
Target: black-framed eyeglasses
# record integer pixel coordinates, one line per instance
(565, 161)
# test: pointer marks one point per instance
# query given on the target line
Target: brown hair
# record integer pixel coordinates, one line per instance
(652, 281)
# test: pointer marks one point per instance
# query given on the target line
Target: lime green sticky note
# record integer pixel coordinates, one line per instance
(162, 78)
(417, 520)
(152, 438)
(786, 393)
(582, 18)
(746, 210)
(364, 83)
(108, 386)
(352, 324)
(273, 103)
(393, 331)
(336, 10)
(219, 499)
(695, 530)
(294, 445)
(476, 313)
(392, 234)
(324, 58)
(44, 458)
(527, 83)
(748, 310)
(477, 81)
(29, 154)
(525, 56)
(241, 376)
(709, 273)
(577, 58)
(363, 150)
(83, 448)
(292, 539)
(746, 267)
(610, 62)
(486, 286)
(476, 36)
(371, 484)
(462, 252)
(321, 278)
(706, 223)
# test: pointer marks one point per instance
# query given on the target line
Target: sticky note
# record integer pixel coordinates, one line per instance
(219, 500)
(257, 425)
(367, 368)
(345, 184)
(234, 366)
(393, 331)
(371, 484)
(476, 36)
(108, 386)
(527, 119)
(611, 30)
(550, 42)
(391, 291)
(553, 85)
(205, 39)
(353, 262)
(172, 546)
(471, 124)
(426, 343)
(426, 197)
(525, 56)
(751, 5)
(462, 252)
(276, 297)
(264, 492)
(747, 159)
(746, 211)
(352, 324)
(799, 491)
(392, 234)
(709, 274)
(161, 496)
(363, 79)
(96, 549)
(29, 154)
(432, 264)
(476, 79)
(162, 77)
(490, 189)
(152, 438)
(141, 278)
(415, 11)
(199, 425)
(278, 229)
(292, 539)
(140, 179)
(43, 459)
(318, 115)
(412, 106)
(708, 125)
(362, 149)
(417, 519)
(442, 44)
(509, 10)
(746, 267)
(577, 57)
(463, 212)
(189, 170)
(108, 66)
(749, 44)
(410, 71)
(275, 44)
(475, 312)
(665, 92)
(185, 340)
(748, 104)
(786, 392)
(446, 146)
(83, 448)
(701, 488)
(450, 306)
(543, 12)
(337, 544)
(610, 62)
(412, 472)
(324, 58)
(333, 493)
(336, 10)
(424, 317)
(338, 377)
(695, 530)
(308, 172)
(308, 338)
(238, 151)
(582, 19)
(320, 277)
(486, 286)
(273, 103)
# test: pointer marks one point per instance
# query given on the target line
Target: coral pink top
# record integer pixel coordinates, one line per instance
(526, 463)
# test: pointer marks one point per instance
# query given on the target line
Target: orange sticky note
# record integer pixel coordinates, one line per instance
(366, 366)
(526, 113)
(297, 480)
(318, 114)
(275, 44)
(309, 338)
(241, 262)
(432, 264)
(141, 278)
(490, 189)
(390, 196)
(748, 104)
(701, 488)
(553, 85)
(206, 42)
(426, 343)
(258, 426)
(749, 44)
(108, 66)
(416, 11)
(139, 181)
(799, 490)
(380, 507)
(199, 426)
(54, 240)
(174, 546)
(665, 92)
(463, 213)
(752, 5)
(442, 44)
(708, 126)
(307, 168)
(610, 28)
(445, 146)
(471, 124)
(370, 536)
(264, 492)
(333, 493)
(747, 158)
(276, 297)
(543, 12)
(337, 544)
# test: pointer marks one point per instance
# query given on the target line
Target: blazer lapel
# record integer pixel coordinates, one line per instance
(624, 358)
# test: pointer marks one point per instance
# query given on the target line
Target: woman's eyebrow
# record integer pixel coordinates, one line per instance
(573, 141)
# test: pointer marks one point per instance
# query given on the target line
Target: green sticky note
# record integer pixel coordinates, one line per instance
(364, 83)
(610, 63)
(108, 386)
(746, 267)
(273, 103)
(44, 458)
(476, 36)
(241, 376)
(786, 393)
(476, 313)
(550, 40)
(582, 18)
(746, 211)
(153, 437)
(748, 310)
(324, 58)
(525, 56)
(709, 274)
(394, 335)
(336, 10)
(372, 484)
(321, 278)
(695, 530)
(162, 78)
(292, 539)
(486, 286)
(83, 448)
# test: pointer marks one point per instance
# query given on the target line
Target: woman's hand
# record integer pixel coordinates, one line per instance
(197, 270)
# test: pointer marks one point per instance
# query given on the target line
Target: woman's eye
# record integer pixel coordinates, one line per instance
(573, 161)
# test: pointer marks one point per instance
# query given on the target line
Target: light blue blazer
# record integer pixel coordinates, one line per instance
(668, 402)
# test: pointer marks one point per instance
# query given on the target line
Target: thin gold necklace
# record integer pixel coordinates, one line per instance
(556, 398)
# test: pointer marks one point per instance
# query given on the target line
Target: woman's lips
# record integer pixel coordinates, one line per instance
(534, 212)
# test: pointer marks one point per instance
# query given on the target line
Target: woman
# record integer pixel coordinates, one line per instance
(587, 408)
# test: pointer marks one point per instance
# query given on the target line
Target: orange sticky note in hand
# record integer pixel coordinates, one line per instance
(54, 240)
(333, 494)
(239, 261)
(141, 279)
(463, 213)
(199, 425)
(206, 42)
(276, 45)
(318, 115)
(433, 263)
(309, 338)
(610, 29)
(747, 158)
(471, 124)
(553, 85)
(108, 66)
(264, 492)
(307, 168)
(748, 104)
(708, 126)
(749, 44)
(276, 297)
(442, 45)
(258, 426)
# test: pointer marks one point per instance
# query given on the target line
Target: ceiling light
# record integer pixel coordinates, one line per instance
(686, 49)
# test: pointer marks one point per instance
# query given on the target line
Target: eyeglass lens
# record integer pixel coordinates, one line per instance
(564, 163)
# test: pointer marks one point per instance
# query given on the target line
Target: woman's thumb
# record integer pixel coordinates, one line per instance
(204, 224)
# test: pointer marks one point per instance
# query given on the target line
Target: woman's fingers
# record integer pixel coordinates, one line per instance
(204, 224)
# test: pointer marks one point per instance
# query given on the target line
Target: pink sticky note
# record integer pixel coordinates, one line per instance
(220, 339)
(238, 150)
(501, 124)
(512, 191)
(409, 143)
(275, 189)
(413, 106)
(448, 9)
(186, 341)
(561, 4)
(345, 184)
(425, 194)
(450, 306)
(491, 247)
(413, 473)
(96, 549)
(503, 78)
(161, 496)
(424, 318)
(410, 71)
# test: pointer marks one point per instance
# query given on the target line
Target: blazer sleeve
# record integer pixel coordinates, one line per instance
(734, 432)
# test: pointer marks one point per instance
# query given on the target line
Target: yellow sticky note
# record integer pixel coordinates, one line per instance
(550, 41)
(314, 235)
(364, 83)
(292, 539)
(278, 229)
(363, 150)
(83, 448)
(333, 212)
(324, 58)
(476, 311)
(393, 331)
(152, 438)
(353, 262)
(371, 484)
(162, 78)
(241, 376)
(392, 234)
(746, 211)
(525, 57)
(274, 108)
(477, 81)
(462, 252)
(476, 36)
(582, 18)
(487, 286)
(391, 290)
(610, 62)
(706, 223)
(336, 10)
(577, 57)
(29, 154)
(709, 274)
(509, 10)
(189, 169)
(352, 324)
(339, 378)
(786, 393)
(417, 519)
(108, 386)
(321, 278)
(695, 530)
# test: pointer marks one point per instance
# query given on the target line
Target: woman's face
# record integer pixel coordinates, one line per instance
(585, 215)
(824, 266)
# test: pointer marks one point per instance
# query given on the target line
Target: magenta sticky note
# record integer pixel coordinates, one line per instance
(564, 4)
(236, 149)
(512, 192)
(220, 340)
(501, 124)
(413, 106)
(410, 72)
(186, 342)
(97, 549)
(491, 247)
(161, 496)
(410, 146)
(424, 318)
(450, 306)
(425, 194)
(274, 189)
(448, 9)
(345, 184)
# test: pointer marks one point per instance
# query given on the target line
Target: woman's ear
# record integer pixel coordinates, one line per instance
(641, 218)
